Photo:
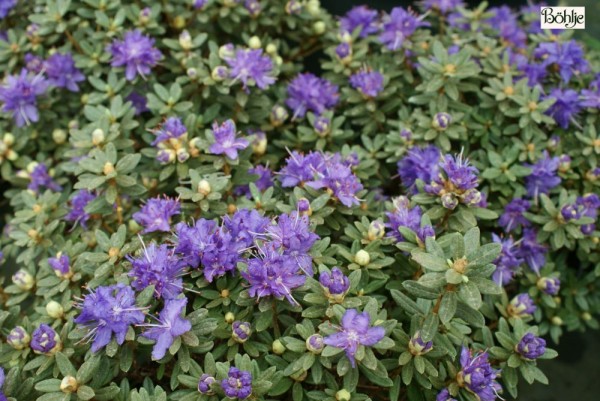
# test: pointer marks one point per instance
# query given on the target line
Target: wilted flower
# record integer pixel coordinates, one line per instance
(136, 52)
(531, 347)
(355, 330)
(170, 326)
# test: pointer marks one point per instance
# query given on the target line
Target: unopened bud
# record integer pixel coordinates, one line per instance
(254, 42)
(23, 279)
(271, 49)
(229, 317)
(179, 22)
(226, 51)
(319, 27)
(204, 187)
(343, 395)
(376, 230)
(18, 338)
(108, 168)
(219, 73)
(315, 343)
(313, 7)
(69, 384)
(278, 347)
(362, 258)
(54, 310)
(185, 40)
(98, 136)
(557, 321)
(8, 139)
(59, 136)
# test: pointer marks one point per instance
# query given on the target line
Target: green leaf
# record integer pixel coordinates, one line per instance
(64, 365)
(405, 302)
(469, 294)
(447, 308)
(484, 255)
(429, 261)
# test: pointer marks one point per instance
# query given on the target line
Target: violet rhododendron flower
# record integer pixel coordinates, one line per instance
(107, 311)
(355, 330)
(156, 214)
(369, 83)
(19, 96)
(512, 219)
(531, 347)
(251, 66)
(62, 72)
(136, 52)
(170, 326)
(398, 27)
(77, 213)
(308, 92)
(226, 142)
(543, 175)
(477, 375)
(360, 17)
(238, 384)
(419, 164)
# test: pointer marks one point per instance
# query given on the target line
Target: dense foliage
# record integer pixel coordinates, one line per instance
(193, 210)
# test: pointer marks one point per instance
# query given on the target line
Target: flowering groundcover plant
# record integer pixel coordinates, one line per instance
(189, 213)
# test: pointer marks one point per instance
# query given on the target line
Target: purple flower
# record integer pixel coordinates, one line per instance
(5, 7)
(241, 331)
(19, 95)
(337, 176)
(590, 98)
(444, 395)
(205, 384)
(136, 52)
(444, 6)
(160, 267)
(225, 141)
(199, 4)
(245, 225)
(441, 121)
(531, 251)
(477, 375)
(251, 66)
(172, 128)
(335, 284)
(568, 57)
(521, 306)
(506, 23)
(308, 92)
(512, 219)
(315, 343)
(61, 265)
(566, 107)
(549, 285)
(570, 212)
(156, 214)
(293, 236)
(299, 168)
(213, 247)
(62, 72)
(405, 216)
(139, 102)
(238, 384)
(33, 63)
(343, 51)
(531, 347)
(460, 173)
(543, 175)
(264, 181)
(369, 83)
(419, 164)
(398, 27)
(353, 332)
(106, 311)
(273, 274)
(360, 17)
(170, 326)
(170, 140)
(45, 340)
(40, 178)
(253, 7)
(77, 212)
(589, 205)
(507, 262)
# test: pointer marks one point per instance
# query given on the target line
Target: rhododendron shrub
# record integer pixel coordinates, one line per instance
(195, 209)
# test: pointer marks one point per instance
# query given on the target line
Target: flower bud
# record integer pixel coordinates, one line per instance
(31, 166)
(586, 316)
(293, 7)
(182, 155)
(69, 384)
(185, 40)
(343, 395)
(179, 22)
(229, 317)
(319, 27)
(557, 321)
(564, 163)
(521, 306)
(18, 338)
(144, 16)
(315, 344)
(254, 42)
(192, 73)
(376, 230)
(45, 340)
(54, 310)
(226, 51)
(259, 143)
(278, 347)
(362, 258)
(471, 197)
(441, 121)
(278, 115)
(241, 331)
(417, 346)
(108, 168)
(299, 376)
(322, 126)
(335, 284)
(133, 226)
(271, 49)
(8, 139)
(344, 52)
(449, 201)
(531, 347)
(205, 384)
(59, 136)
(204, 187)
(219, 73)
(23, 279)
(314, 7)
(303, 205)
(549, 285)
